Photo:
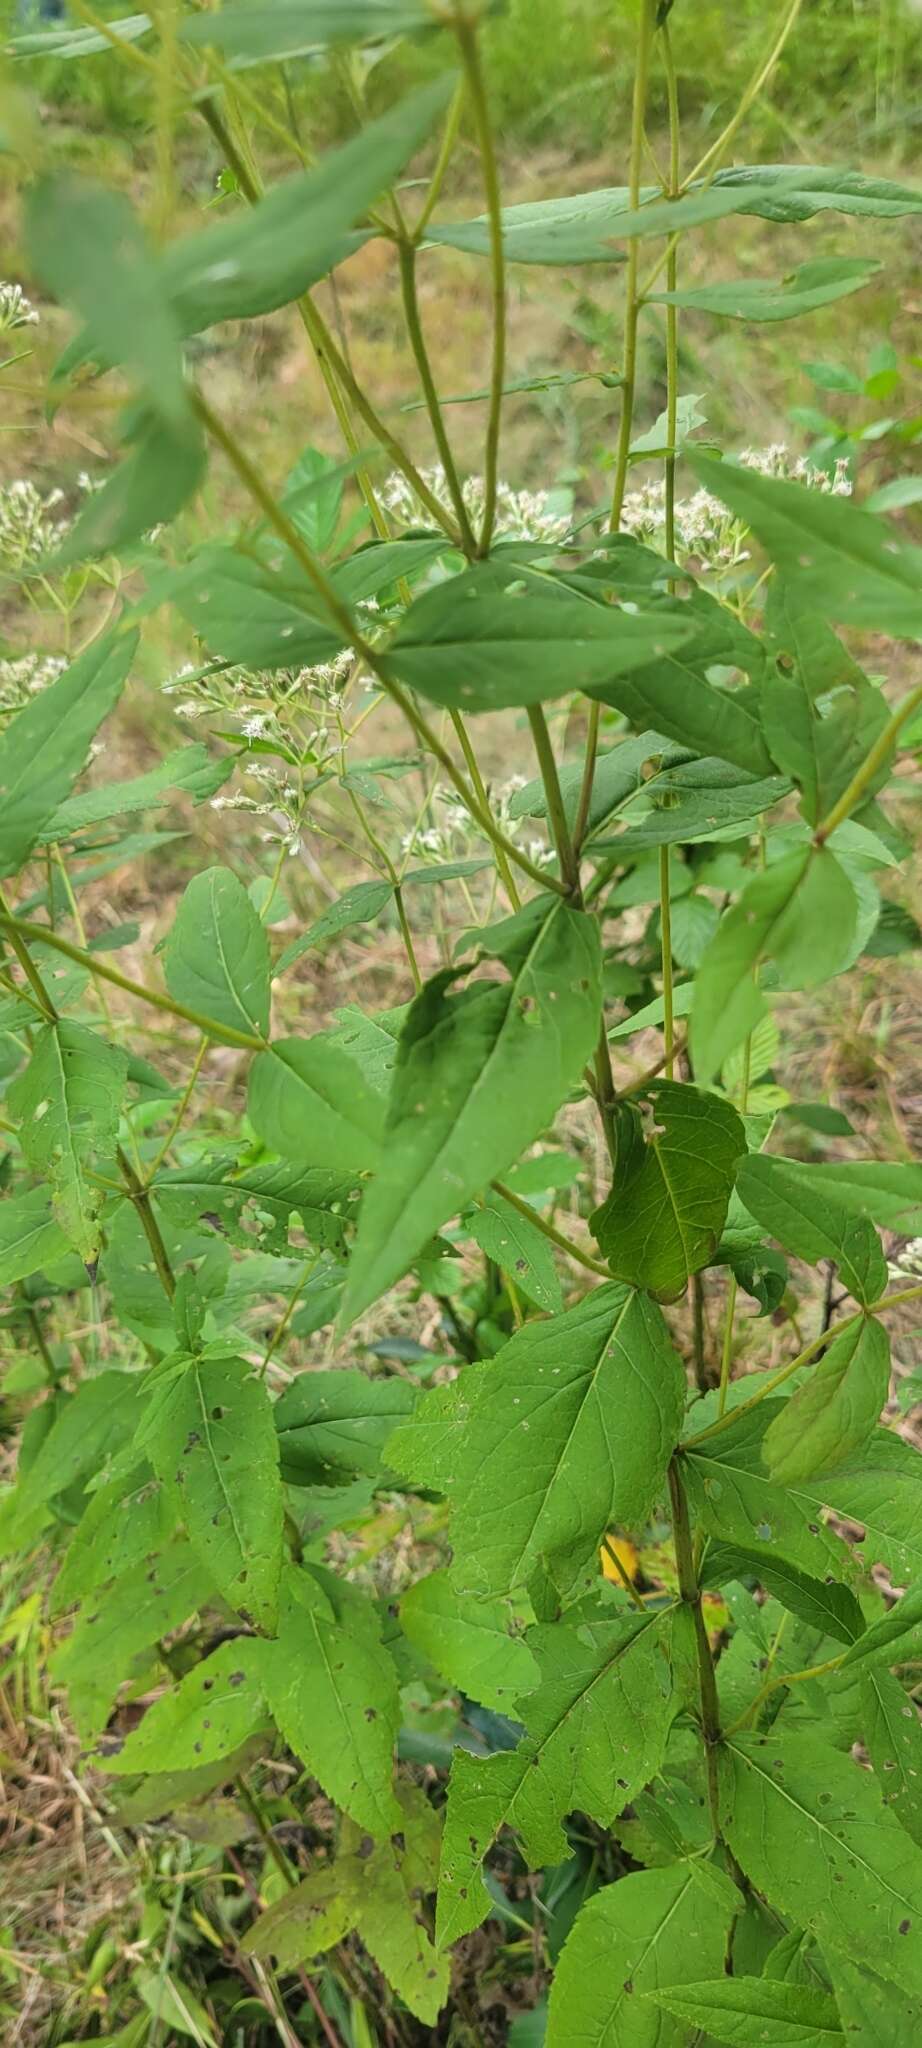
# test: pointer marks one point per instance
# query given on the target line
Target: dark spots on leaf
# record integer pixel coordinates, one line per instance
(371, 1713)
(192, 1439)
(366, 1847)
(236, 1678)
(629, 1986)
(218, 1414)
(904, 1927)
(399, 1842)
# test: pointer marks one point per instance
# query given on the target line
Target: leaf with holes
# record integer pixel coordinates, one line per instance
(663, 1218)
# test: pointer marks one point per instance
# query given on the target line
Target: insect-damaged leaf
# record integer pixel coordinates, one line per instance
(215, 1708)
(67, 1103)
(519, 1248)
(470, 1642)
(310, 1101)
(652, 1928)
(332, 1425)
(479, 1075)
(663, 1218)
(567, 1431)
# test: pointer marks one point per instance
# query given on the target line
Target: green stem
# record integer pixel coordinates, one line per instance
(632, 300)
(479, 787)
(711, 158)
(407, 255)
(691, 1595)
(861, 781)
(446, 151)
(672, 312)
(665, 911)
(589, 766)
(140, 1198)
(549, 1230)
(785, 1678)
(467, 38)
(557, 817)
(20, 929)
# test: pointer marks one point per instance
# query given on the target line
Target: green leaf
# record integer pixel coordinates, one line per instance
(811, 285)
(471, 1643)
(247, 612)
(810, 1830)
(810, 1223)
(30, 1238)
(519, 1249)
(43, 749)
(704, 799)
(311, 1102)
(87, 1428)
(68, 1102)
(89, 248)
(849, 564)
(332, 1690)
(738, 1503)
(249, 34)
(874, 2013)
(663, 1218)
(118, 1622)
(821, 1603)
(893, 1735)
(215, 1707)
(798, 913)
(887, 1191)
(216, 956)
(820, 714)
(515, 1442)
(210, 1434)
(652, 1928)
(125, 1521)
(190, 769)
(332, 1425)
(162, 471)
(833, 1414)
(740, 2010)
(880, 1639)
(596, 1731)
(361, 904)
(479, 1075)
(499, 636)
(878, 1487)
(67, 43)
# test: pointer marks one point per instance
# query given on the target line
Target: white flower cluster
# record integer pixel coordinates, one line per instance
(520, 515)
(15, 309)
(24, 675)
(452, 832)
(705, 530)
(28, 531)
(775, 460)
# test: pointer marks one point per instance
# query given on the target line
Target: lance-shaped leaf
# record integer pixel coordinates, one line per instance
(799, 913)
(568, 1430)
(312, 1103)
(332, 1690)
(86, 1429)
(126, 1520)
(188, 768)
(878, 1487)
(156, 478)
(879, 1642)
(215, 1708)
(248, 34)
(820, 714)
(361, 904)
(653, 1928)
(740, 1505)
(810, 1223)
(478, 1076)
(67, 43)
(833, 1414)
(811, 285)
(30, 1236)
(519, 1248)
(118, 1622)
(67, 1103)
(209, 1432)
(848, 563)
(663, 1218)
(471, 1643)
(596, 1732)
(674, 695)
(332, 1425)
(248, 612)
(740, 2010)
(889, 1192)
(499, 636)
(821, 1603)
(810, 1830)
(216, 957)
(43, 748)
(893, 1736)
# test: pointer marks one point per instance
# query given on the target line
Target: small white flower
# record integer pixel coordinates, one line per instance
(15, 309)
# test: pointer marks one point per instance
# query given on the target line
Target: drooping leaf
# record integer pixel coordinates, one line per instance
(822, 1603)
(478, 1077)
(565, 1433)
(43, 748)
(833, 1414)
(156, 478)
(67, 1103)
(216, 957)
(893, 1735)
(519, 1249)
(332, 1690)
(668, 1205)
(596, 1731)
(879, 1641)
(812, 1226)
(332, 1425)
(652, 1928)
(471, 1643)
(310, 1101)
(812, 284)
(746, 2009)
(210, 1435)
(216, 1707)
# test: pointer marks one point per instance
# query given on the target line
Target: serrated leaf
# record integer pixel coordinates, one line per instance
(889, 1192)
(118, 1622)
(821, 1603)
(874, 2013)
(879, 1641)
(740, 2010)
(311, 1102)
(596, 1732)
(43, 748)
(693, 922)
(248, 612)
(210, 1435)
(67, 1103)
(187, 768)
(813, 284)
(741, 1506)
(216, 956)
(86, 1428)
(663, 1218)
(893, 1735)
(833, 1414)
(810, 1224)
(125, 1521)
(519, 1249)
(651, 1928)
(361, 904)
(821, 715)
(809, 1828)
(332, 1425)
(332, 1690)
(673, 693)
(524, 1448)
(216, 1707)
(471, 1643)
(478, 1077)
(30, 1237)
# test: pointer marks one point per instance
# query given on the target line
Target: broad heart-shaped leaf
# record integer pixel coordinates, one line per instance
(67, 1103)
(272, 253)
(834, 1412)
(377, 1891)
(247, 611)
(596, 1732)
(519, 1249)
(478, 1077)
(209, 1432)
(470, 1642)
(216, 956)
(849, 564)
(586, 227)
(811, 285)
(217, 1706)
(498, 636)
(663, 1218)
(799, 913)
(43, 748)
(741, 1506)
(361, 904)
(811, 1832)
(810, 1223)
(30, 1236)
(312, 1103)
(652, 1928)
(118, 1622)
(332, 1690)
(332, 1425)
(187, 768)
(893, 1735)
(256, 34)
(820, 714)
(741, 2010)
(567, 1430)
